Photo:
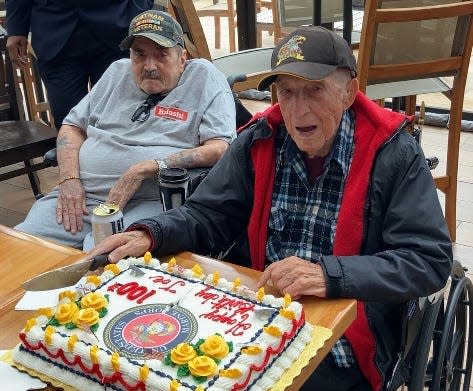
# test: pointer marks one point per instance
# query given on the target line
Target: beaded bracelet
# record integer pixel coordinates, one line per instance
(67, 178)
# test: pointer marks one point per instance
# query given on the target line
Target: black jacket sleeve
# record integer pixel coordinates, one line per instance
(407, 250)
(215, 214)
(18, 17)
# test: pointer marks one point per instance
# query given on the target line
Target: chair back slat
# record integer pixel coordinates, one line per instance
(405, 43)
(194, 38)
(10, 86)
(414, 37)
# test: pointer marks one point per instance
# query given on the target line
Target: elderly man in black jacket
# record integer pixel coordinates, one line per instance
(74, 41)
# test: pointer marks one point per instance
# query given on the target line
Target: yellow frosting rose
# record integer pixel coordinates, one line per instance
(202, 366)
(86, 317)
(182, 353)
(215, 347)
(93, 300)
(66, 312)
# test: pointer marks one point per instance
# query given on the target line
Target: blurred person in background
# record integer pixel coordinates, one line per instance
(73, 40)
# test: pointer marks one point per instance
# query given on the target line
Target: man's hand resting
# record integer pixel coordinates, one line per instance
(71, 206)
(133, 243)
(295, 276)
(130, 182)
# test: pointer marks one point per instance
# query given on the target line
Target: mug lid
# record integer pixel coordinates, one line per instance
(173, 174)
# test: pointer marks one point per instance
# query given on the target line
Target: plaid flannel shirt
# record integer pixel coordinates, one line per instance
(303, 217)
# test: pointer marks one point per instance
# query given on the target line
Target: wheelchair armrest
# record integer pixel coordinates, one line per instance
(196, 176)
(51, 157)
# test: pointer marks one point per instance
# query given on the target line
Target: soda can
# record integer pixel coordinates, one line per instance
(107, 219)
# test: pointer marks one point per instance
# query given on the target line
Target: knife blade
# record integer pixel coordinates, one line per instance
(64, 276)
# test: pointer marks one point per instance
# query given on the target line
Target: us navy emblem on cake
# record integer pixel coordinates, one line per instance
(152, 328)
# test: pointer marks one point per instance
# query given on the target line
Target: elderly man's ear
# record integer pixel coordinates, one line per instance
(352, 89)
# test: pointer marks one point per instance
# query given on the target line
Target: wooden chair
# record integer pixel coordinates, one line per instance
(295, 13)
(21, 140)
(219, 10)
(254, 63)
(405, 47)
(267, 19)
(285, 16)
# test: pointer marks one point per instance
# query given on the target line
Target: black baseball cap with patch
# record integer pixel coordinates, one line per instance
(158, 26)
(310, 53)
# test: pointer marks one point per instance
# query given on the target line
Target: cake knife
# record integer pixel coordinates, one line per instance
(64, 276)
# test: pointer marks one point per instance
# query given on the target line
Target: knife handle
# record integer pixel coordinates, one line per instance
(99, 260)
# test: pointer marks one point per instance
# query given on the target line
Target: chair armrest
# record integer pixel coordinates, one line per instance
(51, 157)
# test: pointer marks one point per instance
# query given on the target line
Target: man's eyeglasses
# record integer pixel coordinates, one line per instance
(142, 113)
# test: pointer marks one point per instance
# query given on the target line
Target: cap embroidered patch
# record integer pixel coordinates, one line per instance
(144, 22)
(158, 26)
(310, 53)
(291, 49)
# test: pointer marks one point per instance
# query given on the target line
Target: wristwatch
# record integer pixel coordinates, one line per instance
(161, 165)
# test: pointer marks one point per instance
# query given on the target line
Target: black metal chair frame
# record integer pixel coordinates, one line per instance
(437, 352)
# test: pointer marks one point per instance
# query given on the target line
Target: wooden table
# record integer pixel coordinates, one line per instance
(23, 256)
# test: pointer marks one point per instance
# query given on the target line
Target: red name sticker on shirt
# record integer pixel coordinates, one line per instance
(171, 113)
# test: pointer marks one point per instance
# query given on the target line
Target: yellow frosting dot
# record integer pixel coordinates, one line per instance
(197, 271)
(71, 295)
(252, 350)
(115, 360)
(94, 280)
(147, 257)
(172, 262)
(287, 300)
(71, 342)
(289, 314)
(260, 294)
(232, 373)
(174, 385)
(94, 356)
(48, 334)
(215, 278)
(236, 283)
(199, 388)
(113, 267)
(29, 324)
(144, 372)
(46, 311)
(272, 330)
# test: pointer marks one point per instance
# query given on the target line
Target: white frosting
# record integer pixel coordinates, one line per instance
(217, 308)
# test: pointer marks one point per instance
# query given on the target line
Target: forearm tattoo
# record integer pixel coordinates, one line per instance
(186, 159)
